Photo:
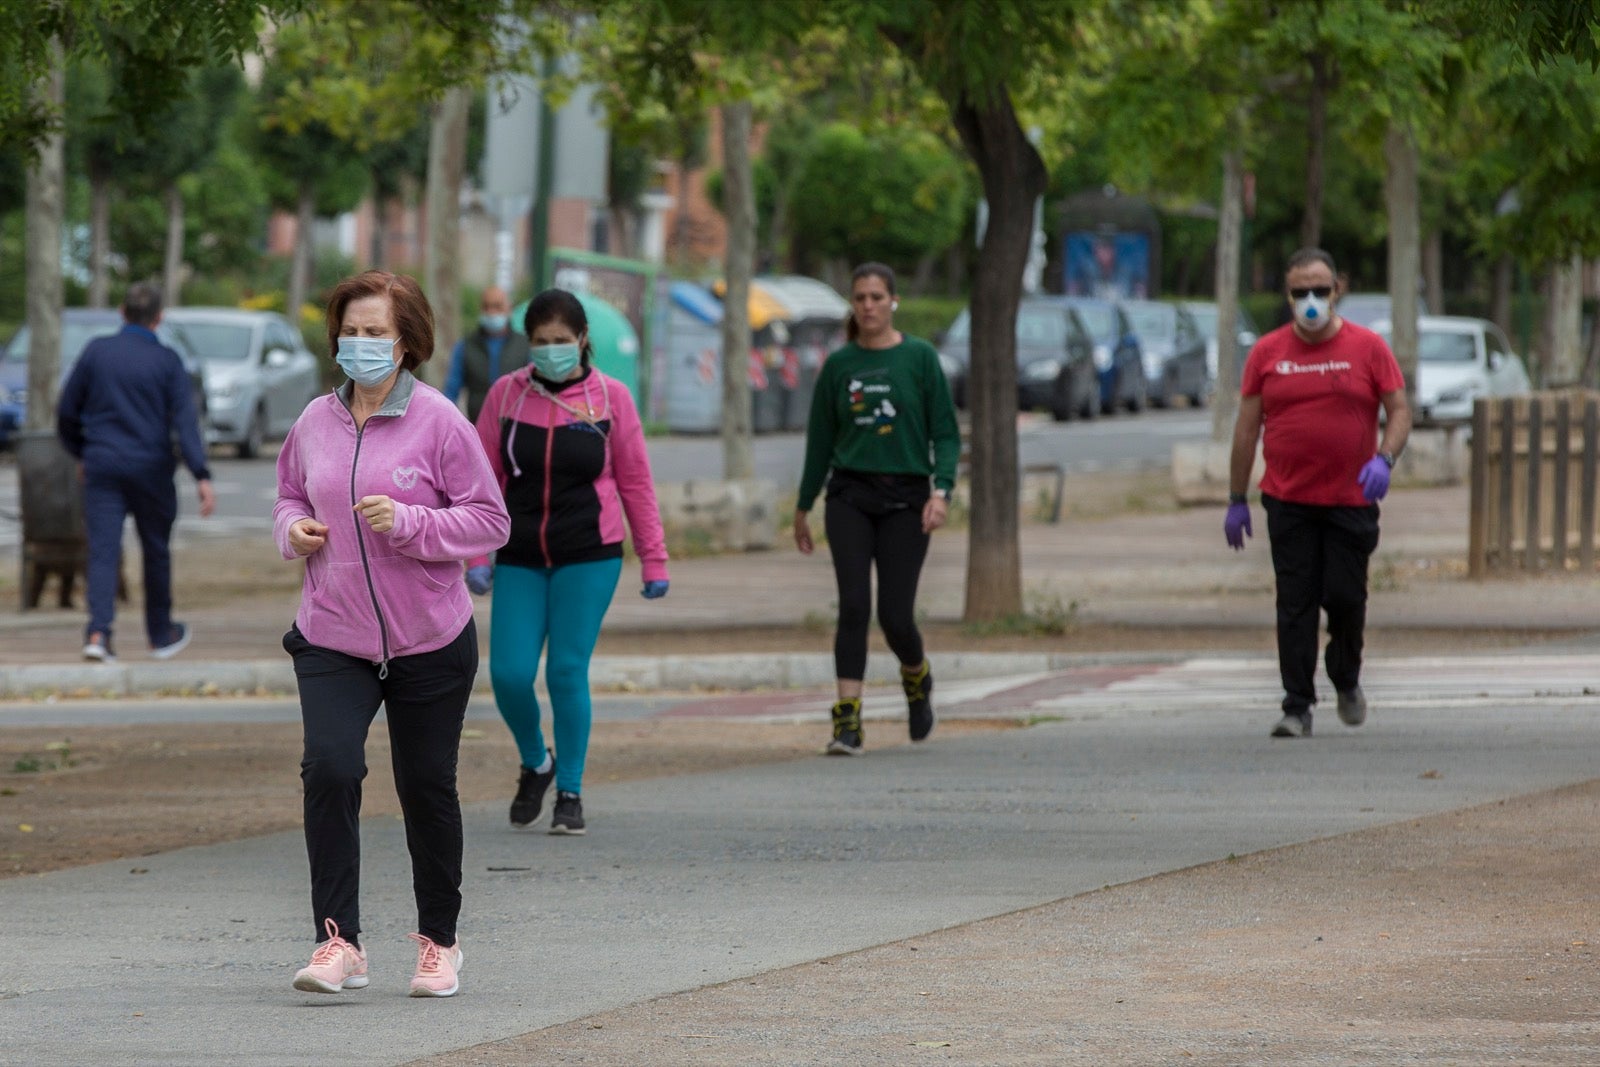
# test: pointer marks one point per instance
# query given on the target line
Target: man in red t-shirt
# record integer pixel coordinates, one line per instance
(1315, 385)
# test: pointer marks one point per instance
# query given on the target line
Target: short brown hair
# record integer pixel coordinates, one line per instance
(413, 315)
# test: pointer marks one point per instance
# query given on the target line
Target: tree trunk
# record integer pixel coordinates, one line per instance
(300, 262)
(738, 200)
(46, 206)
(1500, 298)
(1405, 253)
(172, 268)
(1566, 322)
(1230, 224)
(1433, 272)
(375, 242)
(447, 153)
(679, 251)
(1013, 178)
(99, 241)
(1316, 141)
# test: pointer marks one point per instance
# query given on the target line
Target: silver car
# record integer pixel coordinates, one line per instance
(259, 373)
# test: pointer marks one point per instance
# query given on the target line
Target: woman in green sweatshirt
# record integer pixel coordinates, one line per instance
(882, 422)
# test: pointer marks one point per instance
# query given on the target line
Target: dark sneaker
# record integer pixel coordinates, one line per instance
(918, 687)
(847, 736)
(179, 642)
(98, 650)
(1293, 725)
(531, 788)
(568, 817)
(1353, 707)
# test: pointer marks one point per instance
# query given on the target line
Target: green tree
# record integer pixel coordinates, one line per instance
(913, 205)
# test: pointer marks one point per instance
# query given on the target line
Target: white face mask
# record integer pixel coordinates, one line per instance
(1312, 312)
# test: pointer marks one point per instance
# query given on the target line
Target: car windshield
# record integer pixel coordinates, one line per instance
(223, 342)
(1099, 321)
(1205, 317)
(1443, 346)
(74, 336)
(1035, 326)
(1153, 321)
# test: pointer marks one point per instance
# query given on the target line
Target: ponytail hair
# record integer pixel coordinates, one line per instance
(867, 270)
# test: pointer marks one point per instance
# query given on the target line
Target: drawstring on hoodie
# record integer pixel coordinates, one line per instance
(531, 385)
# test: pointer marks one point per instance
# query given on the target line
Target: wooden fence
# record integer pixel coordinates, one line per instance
(1534, 465)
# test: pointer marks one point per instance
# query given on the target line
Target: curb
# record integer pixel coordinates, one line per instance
(740, 671)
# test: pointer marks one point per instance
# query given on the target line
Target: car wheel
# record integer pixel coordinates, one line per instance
(255, 437)
(1061, 399)
(1091, 400)
(1138, 395)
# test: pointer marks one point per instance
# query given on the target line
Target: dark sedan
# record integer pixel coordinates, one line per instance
(1174, 351)
(1055, 359)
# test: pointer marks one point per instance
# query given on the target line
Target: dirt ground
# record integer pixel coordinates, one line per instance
(87, 794)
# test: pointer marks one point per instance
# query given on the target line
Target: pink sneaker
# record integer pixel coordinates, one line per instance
(335, 965)
(436, 968)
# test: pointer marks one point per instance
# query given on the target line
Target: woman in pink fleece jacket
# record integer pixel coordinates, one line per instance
(383, 490)
(567, 446)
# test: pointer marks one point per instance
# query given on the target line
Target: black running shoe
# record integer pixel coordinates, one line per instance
(1352, 707)
(531, 787)
(568, 817)
(847, 736)
(919, 700)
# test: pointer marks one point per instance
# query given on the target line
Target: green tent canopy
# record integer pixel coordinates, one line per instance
(615, 342)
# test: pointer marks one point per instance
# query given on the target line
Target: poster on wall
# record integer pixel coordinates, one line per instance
(1110, 266)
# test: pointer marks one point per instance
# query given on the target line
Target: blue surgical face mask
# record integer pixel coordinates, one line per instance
(366, 360)
(554, 362)
(493, 323)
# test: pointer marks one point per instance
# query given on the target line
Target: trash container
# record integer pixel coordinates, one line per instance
(691, 360)
(54, 539)
(816, 316)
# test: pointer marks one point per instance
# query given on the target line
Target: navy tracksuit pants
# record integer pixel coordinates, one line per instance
(109, 497)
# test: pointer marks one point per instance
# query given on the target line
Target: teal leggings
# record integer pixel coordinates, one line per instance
(564, 606)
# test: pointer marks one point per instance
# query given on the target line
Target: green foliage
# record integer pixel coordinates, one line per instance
(927, 316)
(893, 197)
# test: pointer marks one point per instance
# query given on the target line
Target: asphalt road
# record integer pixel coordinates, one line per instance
(185, 957)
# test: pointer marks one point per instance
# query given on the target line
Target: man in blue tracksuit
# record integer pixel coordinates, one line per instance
(126, 400)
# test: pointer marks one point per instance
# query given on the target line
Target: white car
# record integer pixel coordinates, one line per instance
(259, 373)
(1460, 359)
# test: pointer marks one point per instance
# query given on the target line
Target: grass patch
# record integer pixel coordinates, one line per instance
(1047, 616)
(58, 756)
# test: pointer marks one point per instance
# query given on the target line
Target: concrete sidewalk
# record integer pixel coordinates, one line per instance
(1162, 570)
(184, 958)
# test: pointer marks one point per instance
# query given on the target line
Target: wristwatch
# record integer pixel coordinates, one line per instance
(943, 494)
(1238, 498)
(1389, 458)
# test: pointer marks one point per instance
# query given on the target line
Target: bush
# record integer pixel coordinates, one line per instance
(927, 316)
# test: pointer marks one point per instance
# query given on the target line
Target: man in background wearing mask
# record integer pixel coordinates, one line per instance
(489, 351)
(1315, 385)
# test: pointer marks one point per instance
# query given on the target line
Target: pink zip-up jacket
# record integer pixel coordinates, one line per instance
(571, 462)
(379, 596)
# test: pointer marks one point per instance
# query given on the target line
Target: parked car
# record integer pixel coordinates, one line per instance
(1055, 359)
(1174, 351)
(79, 326)
(1367, 309)
(1116, 353)
(1458, 360)
(259, 373)
(1205, 317)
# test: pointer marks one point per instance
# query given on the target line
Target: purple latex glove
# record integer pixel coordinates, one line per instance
(1236, 527)
(1374, 479)
(480, 578)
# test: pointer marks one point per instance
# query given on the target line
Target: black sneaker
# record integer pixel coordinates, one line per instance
(919, 700)
(1293, 724)
(568, 817)
(531, 787)
(847, 736)
(1353, 707)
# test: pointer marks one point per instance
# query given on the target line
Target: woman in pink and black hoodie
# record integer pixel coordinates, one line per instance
(383, 490)
(566, 443)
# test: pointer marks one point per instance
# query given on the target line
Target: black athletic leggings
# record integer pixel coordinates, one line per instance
(895, 542)
(424, 697)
